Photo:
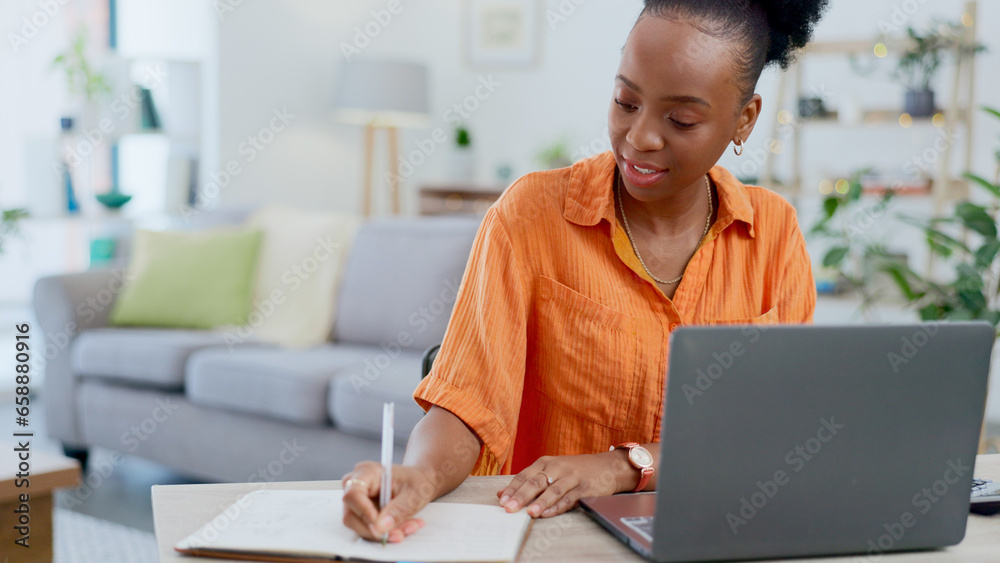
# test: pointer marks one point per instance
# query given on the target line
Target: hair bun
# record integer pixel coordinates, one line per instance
(791, 23)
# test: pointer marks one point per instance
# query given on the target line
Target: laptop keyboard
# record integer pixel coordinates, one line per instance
(643, 525)
(984, 487)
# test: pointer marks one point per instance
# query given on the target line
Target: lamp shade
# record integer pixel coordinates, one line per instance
(389, 92)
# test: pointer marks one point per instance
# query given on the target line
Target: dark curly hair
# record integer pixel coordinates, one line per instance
(767, 32)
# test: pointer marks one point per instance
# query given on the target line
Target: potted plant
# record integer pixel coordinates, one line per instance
(463, 163)
(555, 155)
(854, 255)
(919, 63)
(967, 241)
(83, 81)
(9, 219)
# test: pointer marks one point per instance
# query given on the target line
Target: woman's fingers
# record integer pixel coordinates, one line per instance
(560, 488)
(554, 505)
(361, 486)
(525, 487)
(407, 500)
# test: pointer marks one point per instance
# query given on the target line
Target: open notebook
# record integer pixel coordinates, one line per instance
(283, 525)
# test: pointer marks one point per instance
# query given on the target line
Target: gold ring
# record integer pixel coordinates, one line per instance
(548, 479)
(349, 482)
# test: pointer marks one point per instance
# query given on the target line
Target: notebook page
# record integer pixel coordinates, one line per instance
(455, 532)
(310, 523)
(271, 521)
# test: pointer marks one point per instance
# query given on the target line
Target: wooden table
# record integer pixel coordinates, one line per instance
(179, 510)
(45, 472)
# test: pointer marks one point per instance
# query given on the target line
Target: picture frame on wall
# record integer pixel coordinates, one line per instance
(502, 33)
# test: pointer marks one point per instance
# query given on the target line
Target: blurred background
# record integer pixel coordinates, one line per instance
(125, 114)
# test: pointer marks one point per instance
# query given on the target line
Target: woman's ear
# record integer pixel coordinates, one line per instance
(747, 118)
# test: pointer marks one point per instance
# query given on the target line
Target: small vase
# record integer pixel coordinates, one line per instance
(919, 103)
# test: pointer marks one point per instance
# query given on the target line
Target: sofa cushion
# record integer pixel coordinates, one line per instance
(144, 356)
(401, 280)
(357, 393)
(289, 385)
(197, 280)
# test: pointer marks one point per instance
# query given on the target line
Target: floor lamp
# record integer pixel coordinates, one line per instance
(382, 96)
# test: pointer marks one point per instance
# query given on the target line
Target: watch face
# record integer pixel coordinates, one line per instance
(641, 457)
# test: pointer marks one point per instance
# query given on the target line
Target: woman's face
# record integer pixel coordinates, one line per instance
(675, 107)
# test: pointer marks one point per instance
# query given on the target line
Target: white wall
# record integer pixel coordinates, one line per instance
(275, 55)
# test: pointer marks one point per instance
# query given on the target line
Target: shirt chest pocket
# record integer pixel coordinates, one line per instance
(584, 355)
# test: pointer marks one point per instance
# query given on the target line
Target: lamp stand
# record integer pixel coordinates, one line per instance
(392, 138)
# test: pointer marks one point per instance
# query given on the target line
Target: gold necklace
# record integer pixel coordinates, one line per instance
(708, 223)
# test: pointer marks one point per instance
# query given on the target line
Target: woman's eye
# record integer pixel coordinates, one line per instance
(625, 106)
(682, 125)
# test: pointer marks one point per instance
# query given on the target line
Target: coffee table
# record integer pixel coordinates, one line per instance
(179, 510)
(46, 472)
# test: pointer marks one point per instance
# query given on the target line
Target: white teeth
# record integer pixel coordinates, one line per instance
(644, 170)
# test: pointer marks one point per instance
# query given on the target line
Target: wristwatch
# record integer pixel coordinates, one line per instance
(641, 459)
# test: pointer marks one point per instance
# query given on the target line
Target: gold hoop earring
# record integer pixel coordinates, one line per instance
(738, 144)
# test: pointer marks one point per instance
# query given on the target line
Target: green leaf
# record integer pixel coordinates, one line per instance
(902, 283)
(987, 253)
(995, 113)
(938, 248)
(830, 206)
(854, 190)
(930, 312)
(992, 316)
(943, 244)
(975, 218)
(969, 279)
(986, 184)
(835, 256)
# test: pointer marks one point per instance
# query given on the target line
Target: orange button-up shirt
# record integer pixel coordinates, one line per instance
(558, 341)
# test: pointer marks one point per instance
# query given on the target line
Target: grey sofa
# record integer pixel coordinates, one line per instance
(253, 412)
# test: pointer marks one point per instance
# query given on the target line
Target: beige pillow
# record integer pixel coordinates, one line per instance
(298, 273)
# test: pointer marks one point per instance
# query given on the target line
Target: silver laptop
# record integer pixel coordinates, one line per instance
(811, 440)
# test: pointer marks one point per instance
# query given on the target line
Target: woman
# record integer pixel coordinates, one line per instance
(553, 365)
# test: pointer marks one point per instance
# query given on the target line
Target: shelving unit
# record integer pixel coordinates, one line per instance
(958, 113)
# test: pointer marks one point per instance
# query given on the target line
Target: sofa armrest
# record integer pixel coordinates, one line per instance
(64, 306)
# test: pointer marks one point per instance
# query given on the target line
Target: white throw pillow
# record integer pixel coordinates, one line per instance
(299, 271)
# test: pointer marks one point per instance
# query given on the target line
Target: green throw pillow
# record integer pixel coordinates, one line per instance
(199, 279)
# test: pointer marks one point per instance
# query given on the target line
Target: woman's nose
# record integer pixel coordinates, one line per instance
(644, 134)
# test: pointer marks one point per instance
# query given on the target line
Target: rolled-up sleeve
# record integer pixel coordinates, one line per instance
(479, 372)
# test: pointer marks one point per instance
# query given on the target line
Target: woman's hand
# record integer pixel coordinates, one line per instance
(553, 484)
(412, 489)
